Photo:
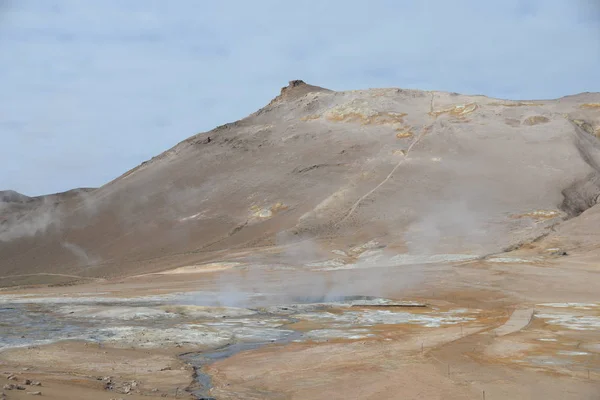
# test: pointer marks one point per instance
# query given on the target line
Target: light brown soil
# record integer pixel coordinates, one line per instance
(75, 370)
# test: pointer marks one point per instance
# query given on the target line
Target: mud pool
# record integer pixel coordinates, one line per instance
(202, 327)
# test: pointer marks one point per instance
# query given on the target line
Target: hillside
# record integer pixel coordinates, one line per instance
(422, 173)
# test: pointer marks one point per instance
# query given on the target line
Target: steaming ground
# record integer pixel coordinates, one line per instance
(372, 244)
(512, 329)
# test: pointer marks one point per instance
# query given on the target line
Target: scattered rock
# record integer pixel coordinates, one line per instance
(35, 393)
(12, 377)
(28, 381)
(36, 383)
(26, 369)
(9, 386)
(166, 369)
(19, 387)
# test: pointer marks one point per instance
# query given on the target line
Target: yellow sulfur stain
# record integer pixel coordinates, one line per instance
(538, 214)
(404, 133)
(456, 111)
(535, 120)
(360, 112)
(310, 117)
(586, 126)
(278, 207)
(379, 118)
(590, 105)
(267, 212)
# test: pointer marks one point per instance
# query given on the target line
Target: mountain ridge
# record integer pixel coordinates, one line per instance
(423, 172)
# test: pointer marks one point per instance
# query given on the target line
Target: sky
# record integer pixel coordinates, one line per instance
(90, 89)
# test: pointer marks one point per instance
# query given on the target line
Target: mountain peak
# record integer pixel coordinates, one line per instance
(295, 89)
(296, 83)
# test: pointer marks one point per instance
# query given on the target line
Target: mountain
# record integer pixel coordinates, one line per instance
(420, 172)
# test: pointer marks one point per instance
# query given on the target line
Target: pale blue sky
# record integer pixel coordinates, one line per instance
(89, 89)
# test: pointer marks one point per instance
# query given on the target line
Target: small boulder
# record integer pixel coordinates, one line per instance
(35, 393)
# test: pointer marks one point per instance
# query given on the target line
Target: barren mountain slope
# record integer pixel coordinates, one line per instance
(423, 172)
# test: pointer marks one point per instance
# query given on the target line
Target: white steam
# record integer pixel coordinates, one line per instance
(445, 228)
(81, 254)
(20, 224)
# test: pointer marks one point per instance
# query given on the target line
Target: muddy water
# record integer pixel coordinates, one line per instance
(29, 325)
(194, 320)
(24, 324)
(30, 322)
(201, 359)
